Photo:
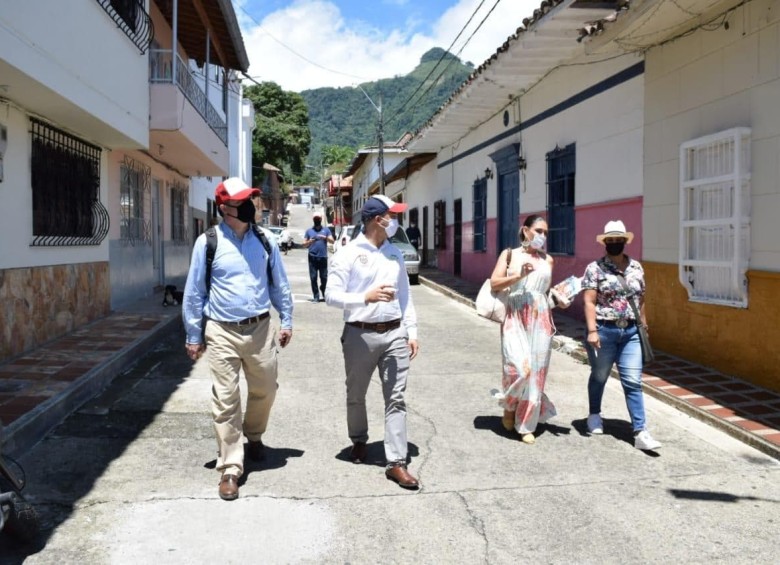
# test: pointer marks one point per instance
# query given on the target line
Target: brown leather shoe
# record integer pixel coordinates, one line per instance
(400, 475)
(359, 452)
(255, 450)
(228, 487)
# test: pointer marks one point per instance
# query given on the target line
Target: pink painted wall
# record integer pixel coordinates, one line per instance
(589, 221)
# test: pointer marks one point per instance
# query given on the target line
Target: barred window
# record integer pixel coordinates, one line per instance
(715, 217)
(179, 205)
(134, 196)
(561, 168)
(480, 214)
(439, 225)
(65, 178)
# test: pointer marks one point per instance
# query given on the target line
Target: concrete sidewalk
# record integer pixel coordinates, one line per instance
(41, 387)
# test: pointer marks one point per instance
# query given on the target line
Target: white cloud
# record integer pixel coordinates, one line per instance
(342, 53)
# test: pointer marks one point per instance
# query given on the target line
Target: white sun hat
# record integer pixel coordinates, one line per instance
(615, 228)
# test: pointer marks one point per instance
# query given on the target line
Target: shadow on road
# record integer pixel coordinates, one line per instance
(710, 496)
(376, 454)
(64, 467)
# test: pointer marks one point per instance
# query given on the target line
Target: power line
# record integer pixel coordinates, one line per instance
(443, 55)
(293, 51)
(457, 55)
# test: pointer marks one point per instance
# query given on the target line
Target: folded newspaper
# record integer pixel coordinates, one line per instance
(564, 292)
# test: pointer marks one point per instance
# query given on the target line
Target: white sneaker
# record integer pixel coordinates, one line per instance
(595, 426)
(644, 441)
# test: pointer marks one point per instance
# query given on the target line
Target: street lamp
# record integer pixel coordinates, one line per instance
(381, 157)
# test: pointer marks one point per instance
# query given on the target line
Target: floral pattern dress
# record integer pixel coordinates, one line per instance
(526, 336)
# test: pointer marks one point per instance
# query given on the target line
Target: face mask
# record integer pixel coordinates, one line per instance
(391, 227)
(538, 241)
(615, 249)
(317, 224)
(245, 212)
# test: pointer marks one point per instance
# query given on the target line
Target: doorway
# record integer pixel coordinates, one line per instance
(158, 259)
(425, 236)
(458, 235)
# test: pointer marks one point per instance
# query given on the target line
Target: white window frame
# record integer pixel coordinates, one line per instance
(715, 217)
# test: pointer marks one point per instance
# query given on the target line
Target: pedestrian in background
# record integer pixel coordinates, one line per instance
(527, 330)
(613, 336)
(369, 282)
(414, 235)
(238, 332)
(316, 240)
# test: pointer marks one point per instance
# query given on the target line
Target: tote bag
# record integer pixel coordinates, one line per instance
(490, 304)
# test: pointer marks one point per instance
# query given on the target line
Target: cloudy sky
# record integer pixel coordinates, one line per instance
(302, 44)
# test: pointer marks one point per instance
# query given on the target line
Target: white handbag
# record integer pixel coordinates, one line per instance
(492, 304)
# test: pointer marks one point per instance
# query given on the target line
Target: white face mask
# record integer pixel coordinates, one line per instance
(537, 242)
(391, 227)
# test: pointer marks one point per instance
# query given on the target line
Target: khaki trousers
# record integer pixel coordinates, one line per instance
(232, 348)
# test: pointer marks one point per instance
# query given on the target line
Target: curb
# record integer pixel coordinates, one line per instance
(32, 427)
(571, 348)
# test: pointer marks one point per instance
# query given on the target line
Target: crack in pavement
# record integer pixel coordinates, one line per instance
(477, 524)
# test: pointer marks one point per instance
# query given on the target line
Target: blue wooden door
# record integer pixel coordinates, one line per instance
(508, 208)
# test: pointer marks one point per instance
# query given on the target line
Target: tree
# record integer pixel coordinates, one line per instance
(281, 136)
(337, 157)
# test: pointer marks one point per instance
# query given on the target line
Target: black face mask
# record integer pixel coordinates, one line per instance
(615, 249)
(245, 212)
(317, 224)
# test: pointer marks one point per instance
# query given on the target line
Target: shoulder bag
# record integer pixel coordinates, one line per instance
(492, 304)
(647, 350)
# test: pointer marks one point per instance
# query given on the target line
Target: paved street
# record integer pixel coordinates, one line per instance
(130, 479)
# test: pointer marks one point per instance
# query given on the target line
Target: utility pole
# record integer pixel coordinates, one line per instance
(381, 150)
(380, 135)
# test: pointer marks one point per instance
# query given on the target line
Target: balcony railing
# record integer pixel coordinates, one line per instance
(161, 71)
(132, 19)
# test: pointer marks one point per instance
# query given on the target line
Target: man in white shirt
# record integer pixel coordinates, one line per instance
(368, 279)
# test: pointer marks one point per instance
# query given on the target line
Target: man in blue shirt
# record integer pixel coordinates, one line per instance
(316, 239)
(238, 330)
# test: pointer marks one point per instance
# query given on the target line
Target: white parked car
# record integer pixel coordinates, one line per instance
(343, 237)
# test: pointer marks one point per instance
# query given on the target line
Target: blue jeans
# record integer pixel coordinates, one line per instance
(318, 265)
(621, 346)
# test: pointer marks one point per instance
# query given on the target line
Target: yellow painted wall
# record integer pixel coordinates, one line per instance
(741, 342)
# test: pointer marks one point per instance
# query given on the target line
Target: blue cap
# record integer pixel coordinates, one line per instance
(379, 204)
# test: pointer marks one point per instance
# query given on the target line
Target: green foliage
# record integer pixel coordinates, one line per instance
(346, 117)
(281, 137)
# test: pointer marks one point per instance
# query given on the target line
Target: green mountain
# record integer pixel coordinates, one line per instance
(344, 116)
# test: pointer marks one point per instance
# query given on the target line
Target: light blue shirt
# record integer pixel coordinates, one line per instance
(239, 288)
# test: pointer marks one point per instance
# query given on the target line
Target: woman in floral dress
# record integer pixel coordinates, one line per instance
(526, 334)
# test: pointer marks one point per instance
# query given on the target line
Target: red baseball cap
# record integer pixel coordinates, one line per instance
(234, 188)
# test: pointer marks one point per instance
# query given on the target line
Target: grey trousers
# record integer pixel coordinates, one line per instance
(364, 351)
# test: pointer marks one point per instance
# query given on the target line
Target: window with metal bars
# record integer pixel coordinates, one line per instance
(480, 214)
(439, 225)
(561, 168)
(134, 202)
(179, 207)
(715, 216)
(65, 179)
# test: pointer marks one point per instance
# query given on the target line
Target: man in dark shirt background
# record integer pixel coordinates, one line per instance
(413, 233)
(316, 240)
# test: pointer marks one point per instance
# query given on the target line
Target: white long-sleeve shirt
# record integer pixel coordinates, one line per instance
(360, 266)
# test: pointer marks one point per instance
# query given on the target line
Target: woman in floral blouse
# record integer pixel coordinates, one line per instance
(613, 335)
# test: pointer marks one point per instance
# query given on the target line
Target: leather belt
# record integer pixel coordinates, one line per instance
(246, 321)
(622, 324)
(380, 327)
